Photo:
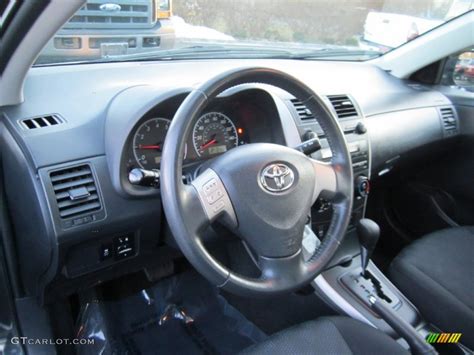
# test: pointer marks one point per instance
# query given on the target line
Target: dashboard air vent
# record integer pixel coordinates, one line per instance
(303, 112)
(41, 121)
(343, 106)
(75, 191)
(448, 118)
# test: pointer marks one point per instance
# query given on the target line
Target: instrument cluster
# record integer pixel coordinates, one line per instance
(249, 116)
(214, 133)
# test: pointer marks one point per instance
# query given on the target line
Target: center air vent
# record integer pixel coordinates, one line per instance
(448, 119)
(343, 106)
(41, 121)
(75, 191)
(303, 112)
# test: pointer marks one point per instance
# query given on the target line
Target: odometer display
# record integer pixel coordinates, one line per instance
(214, 133)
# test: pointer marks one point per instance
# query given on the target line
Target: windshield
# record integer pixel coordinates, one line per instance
(121, 30)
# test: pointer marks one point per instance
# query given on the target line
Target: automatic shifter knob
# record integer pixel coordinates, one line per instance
(368, 232)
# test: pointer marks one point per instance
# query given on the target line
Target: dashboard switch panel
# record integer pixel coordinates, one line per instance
(124, 246)
(106, 251)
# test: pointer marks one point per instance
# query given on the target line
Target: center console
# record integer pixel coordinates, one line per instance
(350, 279)
(352, 123)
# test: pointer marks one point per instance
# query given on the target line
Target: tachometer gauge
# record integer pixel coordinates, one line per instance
(214, 133)
(148, 142)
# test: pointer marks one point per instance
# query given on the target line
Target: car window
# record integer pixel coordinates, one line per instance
(112, 30)
(7, 9)
(459, 71)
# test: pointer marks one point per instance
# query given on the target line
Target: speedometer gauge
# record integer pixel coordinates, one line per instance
(148, 142)
(214, 133)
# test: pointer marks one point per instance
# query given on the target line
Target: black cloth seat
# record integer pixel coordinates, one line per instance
(328, 335)
(436, 273)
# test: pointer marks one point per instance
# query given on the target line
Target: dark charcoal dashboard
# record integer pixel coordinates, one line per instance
(82, 129)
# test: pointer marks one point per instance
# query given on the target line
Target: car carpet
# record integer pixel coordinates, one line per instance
(182, 314)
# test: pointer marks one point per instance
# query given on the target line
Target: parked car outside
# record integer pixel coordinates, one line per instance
(385, 30)
(464, 69)
(105, 28)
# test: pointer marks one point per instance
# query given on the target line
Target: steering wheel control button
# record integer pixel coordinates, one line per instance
(210, 186)
(213, 197)
(277, 177)
(219, 206)
(212, 191)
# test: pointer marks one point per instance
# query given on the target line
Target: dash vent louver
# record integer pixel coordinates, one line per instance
(75, 191)
(343, 106)
(448, 119)
(41, 121)
(303, 112)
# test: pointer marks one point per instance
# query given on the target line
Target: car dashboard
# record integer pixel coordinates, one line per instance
(82, 129)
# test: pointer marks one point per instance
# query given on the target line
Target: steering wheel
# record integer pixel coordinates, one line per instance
(263, 192)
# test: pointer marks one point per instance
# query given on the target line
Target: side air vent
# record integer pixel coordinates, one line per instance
(303, 112)
(75, 191)
(448, 119)
(343, 106)
(41, 121)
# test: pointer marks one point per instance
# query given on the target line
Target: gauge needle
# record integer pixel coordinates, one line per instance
(209, 143)
(149, 147)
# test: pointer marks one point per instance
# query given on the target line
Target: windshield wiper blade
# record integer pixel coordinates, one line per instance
(211, 52)
(227, 51)
(191, 52)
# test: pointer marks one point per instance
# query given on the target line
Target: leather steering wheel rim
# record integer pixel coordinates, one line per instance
(188, 212)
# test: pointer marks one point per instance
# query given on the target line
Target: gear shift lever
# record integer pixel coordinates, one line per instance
(368, 232)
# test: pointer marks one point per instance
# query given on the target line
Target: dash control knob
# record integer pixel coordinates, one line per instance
(309, 134)
(362, 186)
(360, 128)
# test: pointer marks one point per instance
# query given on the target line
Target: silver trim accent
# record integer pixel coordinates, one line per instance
(321, 284)
(278, 174)
(310, 243)
(214, 197)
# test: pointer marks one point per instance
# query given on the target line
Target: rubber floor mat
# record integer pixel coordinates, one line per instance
(180, 315)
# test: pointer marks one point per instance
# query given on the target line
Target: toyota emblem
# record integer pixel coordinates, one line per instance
(277, 177)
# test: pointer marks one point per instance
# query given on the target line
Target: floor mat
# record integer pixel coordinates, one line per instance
(180, 315)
